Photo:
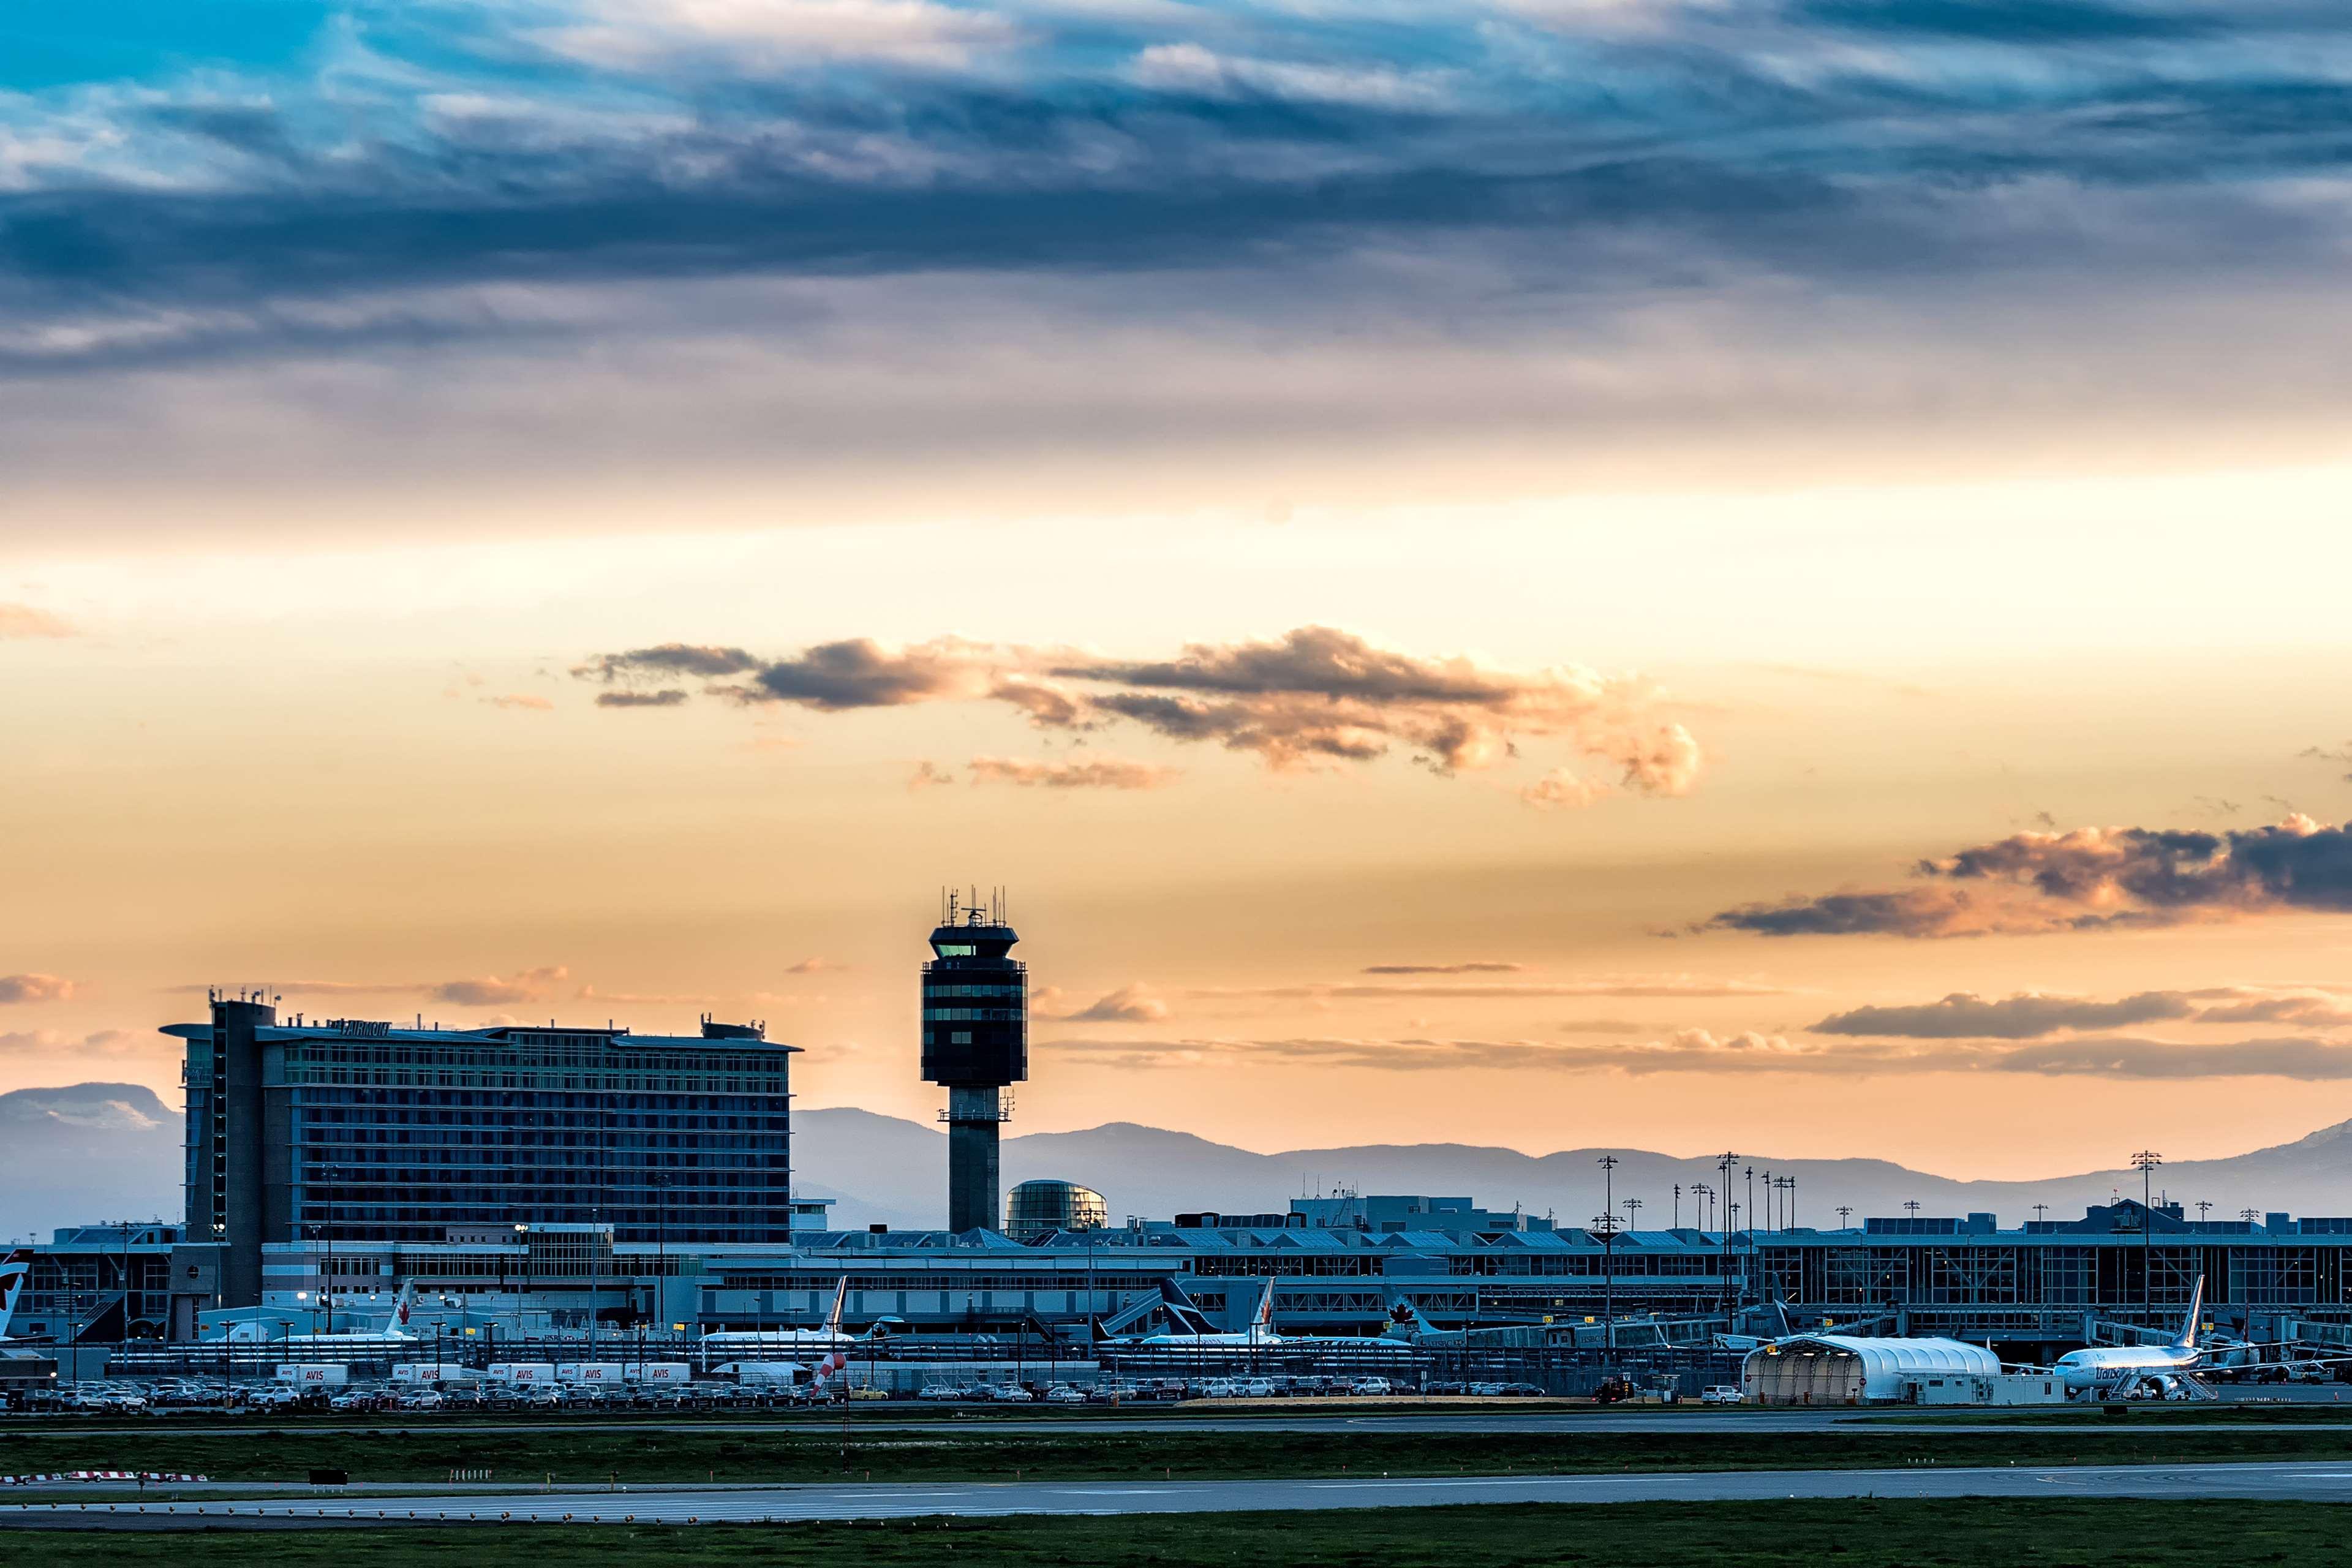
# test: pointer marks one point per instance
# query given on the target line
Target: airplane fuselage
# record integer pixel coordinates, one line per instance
(2104, 1366)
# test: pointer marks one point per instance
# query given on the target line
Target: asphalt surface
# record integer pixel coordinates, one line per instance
(1908, 1422)
(2286, 1482)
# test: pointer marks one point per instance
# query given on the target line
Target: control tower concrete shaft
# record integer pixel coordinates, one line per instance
(975, 1044)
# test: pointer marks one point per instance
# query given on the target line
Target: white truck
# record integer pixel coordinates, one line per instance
(321, 1375)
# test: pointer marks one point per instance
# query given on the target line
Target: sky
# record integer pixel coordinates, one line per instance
(1680, 573)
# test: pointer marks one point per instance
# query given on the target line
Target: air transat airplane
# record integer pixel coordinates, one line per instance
(827, 1336)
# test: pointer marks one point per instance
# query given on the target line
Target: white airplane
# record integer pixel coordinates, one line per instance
(829, 1335)
(1192, 1331)
(2115, 1371)
(394, 1334)
(15, 1273)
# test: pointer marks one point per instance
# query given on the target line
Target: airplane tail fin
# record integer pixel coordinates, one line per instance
(840, 1299)
(1181, 1311)
(1263, 1318)
(15, 1273)
(403, 1306)
(2187, 1339)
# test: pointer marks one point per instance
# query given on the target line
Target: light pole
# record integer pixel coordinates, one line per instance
(1789, 1203)
(660, 1180)
(1604, 1225)
(1770, 1218)
(1679, 1206)
(2147, 1160)
(1748, 1274)
(523, 1281)
(1725, 1165)
(1632, 1214)
(2203, 1205)
(1843, 1210)
(2037, 1212)
(1911, 1207)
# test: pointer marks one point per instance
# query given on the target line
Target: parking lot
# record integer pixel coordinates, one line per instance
(457, 1393)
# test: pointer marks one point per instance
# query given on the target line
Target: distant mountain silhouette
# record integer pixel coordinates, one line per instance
(898, 1171)
(101, 1151)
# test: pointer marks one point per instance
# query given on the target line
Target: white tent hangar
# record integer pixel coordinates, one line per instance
(1845, 1369)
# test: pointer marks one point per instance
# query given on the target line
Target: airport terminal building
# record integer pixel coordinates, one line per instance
(536, 1181)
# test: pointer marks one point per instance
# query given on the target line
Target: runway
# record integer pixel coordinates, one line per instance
(784, 1505)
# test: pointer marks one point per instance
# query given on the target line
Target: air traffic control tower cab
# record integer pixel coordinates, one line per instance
(975, 1043)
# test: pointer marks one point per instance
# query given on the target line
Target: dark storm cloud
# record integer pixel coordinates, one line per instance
(1473, 967)
(2084, 879)
(668, 697)
(2023, 1017)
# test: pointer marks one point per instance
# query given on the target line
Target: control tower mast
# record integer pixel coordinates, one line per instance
(975, 1043)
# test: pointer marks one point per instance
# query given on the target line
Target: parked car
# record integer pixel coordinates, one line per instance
(1062, 1393)
(1376, 1387)
(1720, 1393)
(940, 1393)
(1220, 1388)
(1010, 1394)
(1257, 1388)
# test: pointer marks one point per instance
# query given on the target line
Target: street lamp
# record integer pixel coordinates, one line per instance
(1604, 1225)
(1725, 1165)
(2146, 1161)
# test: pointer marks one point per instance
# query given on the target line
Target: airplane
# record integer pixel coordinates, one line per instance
(15, 1273)
(2117, 1372)
(1192, 1332)
(829, 1335)
(395, 1333)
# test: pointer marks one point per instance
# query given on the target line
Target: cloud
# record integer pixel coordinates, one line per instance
(1132, 1003)
(757, 37)
(1604, 986)
(927, 775)
(35, 988)
(2319, 1010)
(668, 660)
(1563, 787)
(1192, 70)
(1475, 966)
(1962, 1015)
(102, 1043)
(1704, 1051)
(816, 966)
(492, 991)
(2339, 755)
(668, 697)
(522, 700)
(641, 998)
(24, 621)
(1075, 773)
(1315, 695)
(2090, 878)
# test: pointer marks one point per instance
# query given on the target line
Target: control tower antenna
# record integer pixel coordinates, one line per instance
(975, 1044)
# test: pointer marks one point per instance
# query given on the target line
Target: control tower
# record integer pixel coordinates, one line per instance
(975, 1042)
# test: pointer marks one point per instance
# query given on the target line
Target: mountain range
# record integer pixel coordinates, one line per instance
(112, 1151)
